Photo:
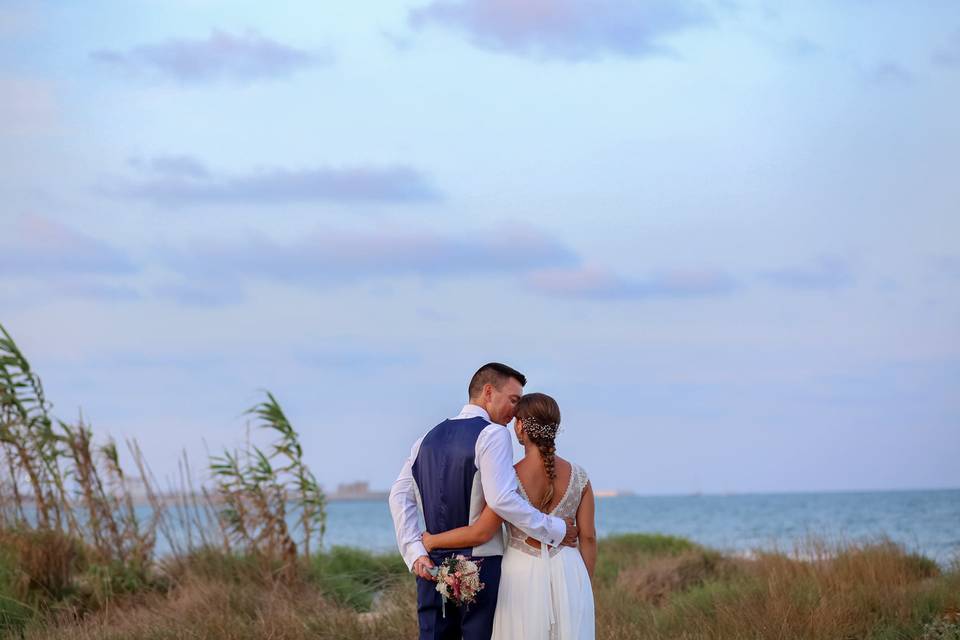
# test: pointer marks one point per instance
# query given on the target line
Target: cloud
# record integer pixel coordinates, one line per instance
(948, 266)
(948, 55)
(217, 273)
(593, 283)
(183, 180)
(19, 293)
(92, 289)
(890, 73)
(220, 57)
(34, 245)
(181, 166)
(42, 260)
(329, 257)
(827, 273)
(568, 30)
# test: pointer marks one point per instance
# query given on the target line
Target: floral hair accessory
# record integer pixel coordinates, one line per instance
(536, 429)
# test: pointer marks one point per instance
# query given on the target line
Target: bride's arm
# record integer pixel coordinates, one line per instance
(487, 524)
(588, 530)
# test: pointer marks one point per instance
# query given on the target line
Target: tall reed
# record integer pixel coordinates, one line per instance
(61, 494)
(261, 490)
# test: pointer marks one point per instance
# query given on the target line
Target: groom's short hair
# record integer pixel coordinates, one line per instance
(496, 374)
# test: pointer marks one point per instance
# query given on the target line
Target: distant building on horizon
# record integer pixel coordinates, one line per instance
(611, 493)
(357, 491)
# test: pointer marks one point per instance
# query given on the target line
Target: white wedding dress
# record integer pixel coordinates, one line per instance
(545, 594)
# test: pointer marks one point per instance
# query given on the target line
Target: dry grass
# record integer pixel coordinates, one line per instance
(77, 564)
(46, 562)
(204, 608)
(672, 590)
(657, 578)
(852, 591)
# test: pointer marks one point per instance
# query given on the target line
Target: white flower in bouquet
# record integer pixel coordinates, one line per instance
(458, 580)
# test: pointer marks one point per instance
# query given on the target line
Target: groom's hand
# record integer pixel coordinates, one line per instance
(570, 539)
(422, 566)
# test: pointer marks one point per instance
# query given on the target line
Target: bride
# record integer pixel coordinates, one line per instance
(545, 593)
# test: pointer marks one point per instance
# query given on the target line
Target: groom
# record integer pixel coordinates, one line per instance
(453, 471)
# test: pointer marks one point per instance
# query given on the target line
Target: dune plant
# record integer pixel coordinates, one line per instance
(308, 498)
(56, 483)
(263, 491)
(32, 448)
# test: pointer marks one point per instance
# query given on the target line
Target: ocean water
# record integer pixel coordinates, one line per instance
(924, 521)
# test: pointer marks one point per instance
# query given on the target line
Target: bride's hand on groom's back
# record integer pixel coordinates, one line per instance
(428, 542)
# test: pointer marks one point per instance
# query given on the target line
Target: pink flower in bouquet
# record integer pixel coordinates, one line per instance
(458, 579)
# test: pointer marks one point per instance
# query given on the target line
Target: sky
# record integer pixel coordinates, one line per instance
(724, 235)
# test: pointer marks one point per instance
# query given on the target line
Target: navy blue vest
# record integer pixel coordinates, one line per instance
(444, 472)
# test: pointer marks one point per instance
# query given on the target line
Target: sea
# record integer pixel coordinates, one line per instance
(926, 522)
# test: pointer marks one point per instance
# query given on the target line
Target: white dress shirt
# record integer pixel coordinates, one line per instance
(494, 461)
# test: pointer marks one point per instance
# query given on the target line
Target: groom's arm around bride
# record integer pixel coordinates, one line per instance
(450, 500)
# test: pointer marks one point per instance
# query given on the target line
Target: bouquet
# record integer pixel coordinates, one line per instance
(458, 579)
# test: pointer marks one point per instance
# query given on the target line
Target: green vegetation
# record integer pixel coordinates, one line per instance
(846, 591)
(76, 563)
(628, 550)
(873, 592)
(354, 578)
(256, 489)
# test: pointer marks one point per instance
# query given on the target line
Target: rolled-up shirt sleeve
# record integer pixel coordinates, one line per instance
(406, 512)
(495, 461)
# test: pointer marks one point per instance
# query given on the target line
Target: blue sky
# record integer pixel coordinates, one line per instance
(722, 234)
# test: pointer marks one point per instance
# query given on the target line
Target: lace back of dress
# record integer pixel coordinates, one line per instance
(566, 508)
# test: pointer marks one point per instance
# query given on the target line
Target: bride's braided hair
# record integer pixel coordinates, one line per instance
(540, 415)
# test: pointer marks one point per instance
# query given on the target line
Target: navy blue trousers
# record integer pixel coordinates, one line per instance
(470, 623)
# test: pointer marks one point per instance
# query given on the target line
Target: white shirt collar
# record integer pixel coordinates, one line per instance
(473, 411)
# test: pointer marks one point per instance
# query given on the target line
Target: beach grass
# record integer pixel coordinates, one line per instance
(651, 587)
(246, 560)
